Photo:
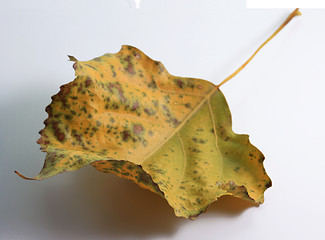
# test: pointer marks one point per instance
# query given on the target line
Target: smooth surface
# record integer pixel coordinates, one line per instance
(285, 3)
(278, 99)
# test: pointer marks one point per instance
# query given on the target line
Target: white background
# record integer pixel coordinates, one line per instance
(278, 99)
(285, 3)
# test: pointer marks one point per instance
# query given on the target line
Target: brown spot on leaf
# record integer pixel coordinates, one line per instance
(118, 87)
(187, 105)
(194, 216)
(261, 159)
(152, 84)
(125, 135)
(129, 68)
(137, 129)
(180, 83)
(88, 82)
(136, 54)
(175, 122)
(61, 96)
(268, 184)
(135, 106)
(57, 131)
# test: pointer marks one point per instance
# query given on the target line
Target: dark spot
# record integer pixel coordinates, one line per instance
(135, 106)
(61, 96)
(83, 109)
(147, 111)
(155, 103)
(129, 68)
(196, 150)
(144, 142)
(91, 66)
(221, 130)
(180, 83)
(68, 117)
(137, 129)
(175, 122)
(268, 184)
(137, 55)
(48, 109)
(113, 72)
(94, 129)
(200, 140)
(192, 217)
(98, 123)
(57, 131)
(125, 135)
(187, 105)
(261, 159)
(115, 105)
(152, 84)
(190, 83)
(73, 112)
(119, 89)
(167, 98)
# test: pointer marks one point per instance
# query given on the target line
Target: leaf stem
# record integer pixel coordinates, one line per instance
(296, 12)
(23, 177)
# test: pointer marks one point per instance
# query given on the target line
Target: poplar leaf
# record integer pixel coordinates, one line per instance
(125, 114)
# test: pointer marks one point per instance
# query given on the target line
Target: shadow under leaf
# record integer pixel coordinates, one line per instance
(229, 205)
(104, 205)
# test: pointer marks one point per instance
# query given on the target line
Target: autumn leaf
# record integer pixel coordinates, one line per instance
(125, 114)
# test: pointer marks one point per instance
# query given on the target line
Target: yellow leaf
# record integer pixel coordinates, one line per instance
(125, 114)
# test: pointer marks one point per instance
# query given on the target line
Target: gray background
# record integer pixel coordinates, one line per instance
(278, 100)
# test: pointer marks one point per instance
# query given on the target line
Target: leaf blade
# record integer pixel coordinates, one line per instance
(126, 107)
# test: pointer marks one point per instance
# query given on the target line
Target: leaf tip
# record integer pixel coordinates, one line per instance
(23, 177)
(72, 58)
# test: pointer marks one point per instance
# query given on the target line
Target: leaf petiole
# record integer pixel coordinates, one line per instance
(296, 12)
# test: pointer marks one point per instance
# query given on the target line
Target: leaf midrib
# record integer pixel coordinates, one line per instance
(180, 126)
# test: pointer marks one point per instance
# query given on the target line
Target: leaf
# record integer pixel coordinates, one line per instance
(125, 114)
